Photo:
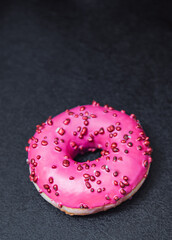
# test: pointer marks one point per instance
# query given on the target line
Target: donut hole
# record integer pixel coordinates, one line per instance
(88, 155)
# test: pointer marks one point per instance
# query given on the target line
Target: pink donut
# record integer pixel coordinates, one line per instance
(89, 187)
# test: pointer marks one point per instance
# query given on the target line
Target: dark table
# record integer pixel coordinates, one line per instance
(59, 54)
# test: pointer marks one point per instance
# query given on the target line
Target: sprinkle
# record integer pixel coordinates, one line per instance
(86, 113)
(125, 136)
(115, 149)
(34, 145)
(67, 121)
(66, 163)
(70, 113)
(86, 123)
(84, 131)
(96, 133)
(122, 185)
(126, 183)
(86, 175)
(130, 144)
(51, 180)
(82, 108)
(79, 168)
(58, 149)
(146, 143)
(99, 190)
(97, 173)
(74, 133)
(46, 186)
(93, 165)
(107, 197)
(27, 148)
(101, 131)
(49, 121)
(139, 147)
(115, 183)
(32, 161)
(71, 178)
(145, 163)
(116, 198)
(115, 174)
(133, 116)
(113, 145)
(139, 139)
(92, 178)
(31, 178)
(55, 187)
(98, 181)
(111, 128)
(88, 185)
(61, 131)
(93, 115)
(122, 191)
(44, 143)
(90, 139)
(87, 166)
(56, 142)
(35, 179)
(84, 117)
(78, 129)
(54, 166)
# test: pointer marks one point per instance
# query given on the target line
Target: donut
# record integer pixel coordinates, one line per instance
(82, 188)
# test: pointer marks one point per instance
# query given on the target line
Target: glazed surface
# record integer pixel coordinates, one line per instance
(125, 156)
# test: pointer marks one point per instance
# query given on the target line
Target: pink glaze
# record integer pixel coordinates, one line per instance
(123, 164)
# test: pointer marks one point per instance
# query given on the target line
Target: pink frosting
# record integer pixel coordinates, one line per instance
(124, 160)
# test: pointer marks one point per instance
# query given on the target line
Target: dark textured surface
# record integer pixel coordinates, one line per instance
(59, 54)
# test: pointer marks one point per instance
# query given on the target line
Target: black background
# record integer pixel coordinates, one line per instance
(59, 54)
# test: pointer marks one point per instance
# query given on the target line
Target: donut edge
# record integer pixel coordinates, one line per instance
(88, 211)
